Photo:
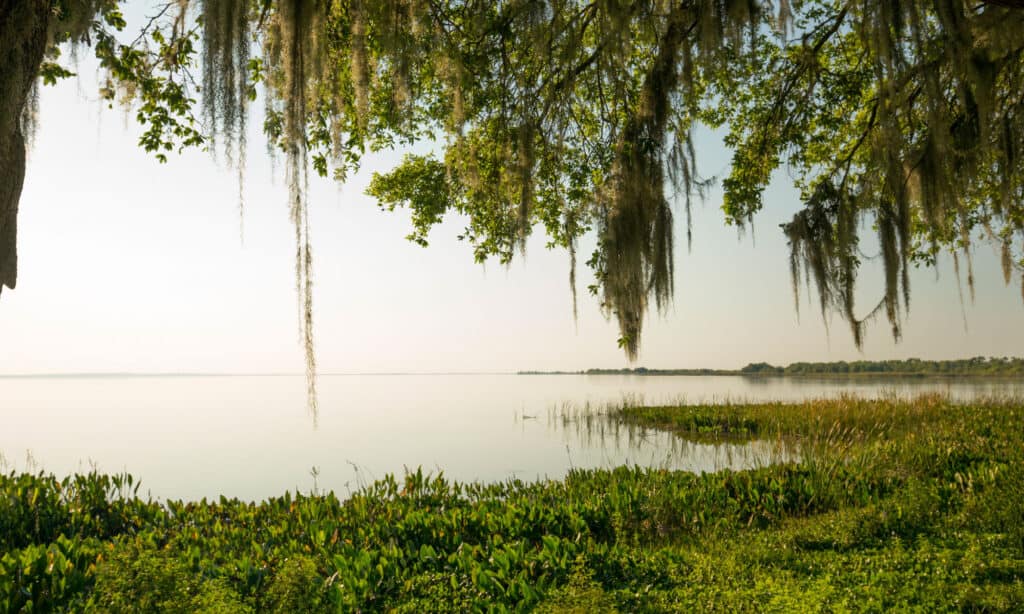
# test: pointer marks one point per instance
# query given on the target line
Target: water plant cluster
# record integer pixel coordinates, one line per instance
(908, 504)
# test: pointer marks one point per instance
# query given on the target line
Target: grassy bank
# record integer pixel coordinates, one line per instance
(895, 504)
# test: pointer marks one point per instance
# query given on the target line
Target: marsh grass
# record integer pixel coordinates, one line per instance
(813, 418)
(611, 426)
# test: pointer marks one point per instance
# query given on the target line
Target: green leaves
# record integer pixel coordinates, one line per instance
(876, 109)
(114, 18)
(421, 184)
(51, 72)
(156, 81)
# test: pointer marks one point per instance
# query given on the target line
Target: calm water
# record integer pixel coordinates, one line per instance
(251, 436)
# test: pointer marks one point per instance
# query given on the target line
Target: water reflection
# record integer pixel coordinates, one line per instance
(251, 437)
(585, 428)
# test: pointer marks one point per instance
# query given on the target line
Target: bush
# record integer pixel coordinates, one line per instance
(139, 579)
(297, 587)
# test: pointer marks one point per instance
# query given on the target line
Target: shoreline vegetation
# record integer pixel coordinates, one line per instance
(912, 367)
(893, 504)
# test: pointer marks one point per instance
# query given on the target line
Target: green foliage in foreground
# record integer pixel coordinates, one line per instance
(905, 505)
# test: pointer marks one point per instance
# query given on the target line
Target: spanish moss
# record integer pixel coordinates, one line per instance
(226, 47)
(294, 60)
(933, 157)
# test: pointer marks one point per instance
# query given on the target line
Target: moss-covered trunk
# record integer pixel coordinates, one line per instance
(23, 25)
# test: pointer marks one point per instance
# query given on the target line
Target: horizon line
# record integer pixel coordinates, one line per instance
(99, 374)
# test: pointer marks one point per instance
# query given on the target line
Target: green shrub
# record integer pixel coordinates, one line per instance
(297, 587)
(140, 579)
(581, 595)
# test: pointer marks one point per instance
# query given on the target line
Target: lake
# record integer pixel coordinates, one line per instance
(189, 437)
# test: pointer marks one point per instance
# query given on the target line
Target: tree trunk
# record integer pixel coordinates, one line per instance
(23, 25)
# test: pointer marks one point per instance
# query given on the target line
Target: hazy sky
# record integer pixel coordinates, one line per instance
(130, 265)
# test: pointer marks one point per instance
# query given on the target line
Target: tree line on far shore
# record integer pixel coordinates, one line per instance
(978, 365)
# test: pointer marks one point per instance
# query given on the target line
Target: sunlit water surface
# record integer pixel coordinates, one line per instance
(252, 437)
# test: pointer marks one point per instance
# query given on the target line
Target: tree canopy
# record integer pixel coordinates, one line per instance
(905, 117)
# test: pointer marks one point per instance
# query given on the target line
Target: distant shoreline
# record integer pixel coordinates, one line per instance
(727, 373)
(1004, 368)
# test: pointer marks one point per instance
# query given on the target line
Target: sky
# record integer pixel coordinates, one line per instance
(129, 265)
